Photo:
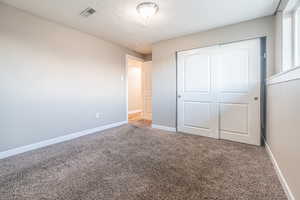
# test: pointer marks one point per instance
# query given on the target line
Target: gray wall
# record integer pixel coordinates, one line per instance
(54, 79)
(283, 121)
(283, 130)
(164, 60)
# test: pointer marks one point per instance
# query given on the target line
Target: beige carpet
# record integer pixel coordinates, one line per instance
(130, 163)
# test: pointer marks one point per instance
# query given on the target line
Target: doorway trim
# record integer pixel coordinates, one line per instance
(127, 57)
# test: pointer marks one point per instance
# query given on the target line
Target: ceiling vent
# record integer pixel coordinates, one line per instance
(87, 12)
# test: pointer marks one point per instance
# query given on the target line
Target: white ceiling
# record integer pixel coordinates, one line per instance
(118, 21)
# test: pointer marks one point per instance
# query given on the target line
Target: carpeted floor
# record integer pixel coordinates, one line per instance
(131, 163)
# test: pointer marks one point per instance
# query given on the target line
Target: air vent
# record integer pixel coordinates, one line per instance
(87, 12)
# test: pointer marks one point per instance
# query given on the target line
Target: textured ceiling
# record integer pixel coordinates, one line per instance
(118, 21)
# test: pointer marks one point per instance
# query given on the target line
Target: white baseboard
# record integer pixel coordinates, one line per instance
(282, 180)
(165, 128)
(134, 111)
(56, 140)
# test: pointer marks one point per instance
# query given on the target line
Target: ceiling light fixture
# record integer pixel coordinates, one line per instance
(147, 10)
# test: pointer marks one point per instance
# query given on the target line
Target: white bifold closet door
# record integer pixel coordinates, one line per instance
(219, 91)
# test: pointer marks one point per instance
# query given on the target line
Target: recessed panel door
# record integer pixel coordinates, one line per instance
(238, 91)
(219, 91)
(197, 112)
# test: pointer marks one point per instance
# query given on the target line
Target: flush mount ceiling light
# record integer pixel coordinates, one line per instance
(147, 10)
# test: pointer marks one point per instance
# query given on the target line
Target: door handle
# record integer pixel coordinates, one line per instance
(255, 98)
(179, 96)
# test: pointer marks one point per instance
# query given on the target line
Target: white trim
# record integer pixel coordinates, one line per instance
(165, 128)
(291, 5)
(135, 111)
(281, 178)
(194, 50)
(289, 75)
(291, 11)
(295, 37)
(56, 140)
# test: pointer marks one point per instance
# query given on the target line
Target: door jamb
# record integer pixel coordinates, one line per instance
(263, 92)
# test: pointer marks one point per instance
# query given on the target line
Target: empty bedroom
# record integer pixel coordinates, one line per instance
(149, 100)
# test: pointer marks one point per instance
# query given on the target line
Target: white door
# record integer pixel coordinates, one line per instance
(197, 107)
(147, 90)
(234, 95)
(238, 93)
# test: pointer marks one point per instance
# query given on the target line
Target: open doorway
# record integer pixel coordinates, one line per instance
(139, 92)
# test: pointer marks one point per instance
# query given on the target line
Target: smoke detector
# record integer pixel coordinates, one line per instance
(87, 12)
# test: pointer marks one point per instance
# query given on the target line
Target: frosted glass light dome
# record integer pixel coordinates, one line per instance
(147, 9)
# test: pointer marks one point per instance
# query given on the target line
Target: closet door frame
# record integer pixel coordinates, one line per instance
(263, 65)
